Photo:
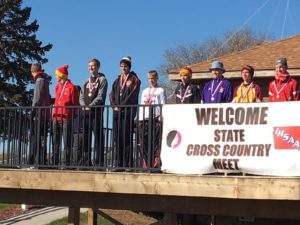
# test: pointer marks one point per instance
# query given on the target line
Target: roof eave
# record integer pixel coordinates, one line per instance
(234, 74)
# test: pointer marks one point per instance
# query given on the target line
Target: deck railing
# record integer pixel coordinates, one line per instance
(95, 138)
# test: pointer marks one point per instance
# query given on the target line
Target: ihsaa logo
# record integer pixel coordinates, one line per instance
(286, 137)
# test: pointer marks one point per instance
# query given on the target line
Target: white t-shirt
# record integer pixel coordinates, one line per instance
(151, 96)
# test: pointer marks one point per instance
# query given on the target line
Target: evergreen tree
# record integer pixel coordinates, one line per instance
(19, 47)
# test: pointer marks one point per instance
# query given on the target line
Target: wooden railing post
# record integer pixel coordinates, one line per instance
(92, 217)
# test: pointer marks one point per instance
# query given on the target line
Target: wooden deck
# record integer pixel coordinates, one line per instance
(259, 196)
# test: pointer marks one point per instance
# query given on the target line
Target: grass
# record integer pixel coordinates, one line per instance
(83, 220)
(4, 206)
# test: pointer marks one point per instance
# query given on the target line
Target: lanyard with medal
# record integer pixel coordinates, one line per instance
(151, 94)
(212, 91)
(92, 85)
(122, 84)
(281, 88)
(243, 95)
(62, 91)
(182, 98)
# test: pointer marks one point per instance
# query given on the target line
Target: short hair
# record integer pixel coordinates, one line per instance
(35, 67)
(153, 73)
(95, 61)
(126, 60)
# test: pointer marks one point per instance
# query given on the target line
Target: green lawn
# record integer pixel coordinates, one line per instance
(4, 206)
(83, 220)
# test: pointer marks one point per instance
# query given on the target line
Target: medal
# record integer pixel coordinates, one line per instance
(92, 85)
(212, 91)
(151, 95)
(281, 88)
(122, 84)
(243, 95)
(187, 90)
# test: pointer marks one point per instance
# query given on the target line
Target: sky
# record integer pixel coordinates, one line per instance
(111, 29)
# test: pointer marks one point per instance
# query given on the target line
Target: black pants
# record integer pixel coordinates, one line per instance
(149, 134)
(93, 132)
(62, 130)
(38, 141)
(123, 128)
(77, 150)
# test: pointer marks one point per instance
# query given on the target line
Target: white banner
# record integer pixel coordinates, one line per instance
(254, 138)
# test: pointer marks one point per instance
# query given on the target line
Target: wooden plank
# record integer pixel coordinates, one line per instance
(235, 187)
(284, 209)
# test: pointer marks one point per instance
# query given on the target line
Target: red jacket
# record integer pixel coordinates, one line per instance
(283, 91)
(66, 94)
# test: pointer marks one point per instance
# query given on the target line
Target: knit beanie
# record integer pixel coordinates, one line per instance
(126, 60)
(249, 68)
(62, 72)
(186, 71)
(282, 61)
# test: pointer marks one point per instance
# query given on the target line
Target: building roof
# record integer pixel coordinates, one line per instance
(261, 57)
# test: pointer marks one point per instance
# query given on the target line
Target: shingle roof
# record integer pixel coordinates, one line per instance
(261, 57)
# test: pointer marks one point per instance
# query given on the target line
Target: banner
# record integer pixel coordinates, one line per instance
(254, 138)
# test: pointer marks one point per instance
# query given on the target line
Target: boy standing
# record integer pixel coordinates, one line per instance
(124, 100)
(150, 119)
(248, 90)
(93, 94)
(284, 87)
(40, 116)
(66, 95)
(219, 89)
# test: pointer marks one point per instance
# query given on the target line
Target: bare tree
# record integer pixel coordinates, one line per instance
(187, 54)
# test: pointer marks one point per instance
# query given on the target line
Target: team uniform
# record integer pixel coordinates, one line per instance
(186, 94)
(281, 90)
(150, 117)
(248, 93)
(125, 91)
(152, 96)
(66, 94)
(217, 90)
(93, 94)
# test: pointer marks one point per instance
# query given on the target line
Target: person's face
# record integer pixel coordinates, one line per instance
(246, 76)
(124, 69)
(216, 73)
(93, 68)
(185, 79)
(58, 78)
(280, 69)
(152, 81)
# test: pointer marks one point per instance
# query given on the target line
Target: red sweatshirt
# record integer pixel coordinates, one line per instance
(65, 95)
(280, 91)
